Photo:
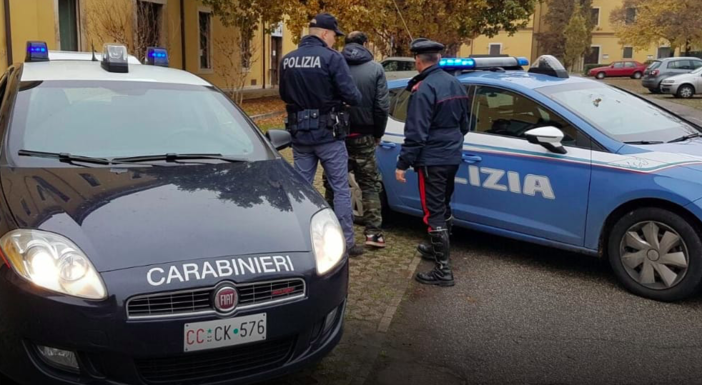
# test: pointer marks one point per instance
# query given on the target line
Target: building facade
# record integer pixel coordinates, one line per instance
(196, 39)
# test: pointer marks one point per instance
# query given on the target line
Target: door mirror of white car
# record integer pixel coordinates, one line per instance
(549, 137)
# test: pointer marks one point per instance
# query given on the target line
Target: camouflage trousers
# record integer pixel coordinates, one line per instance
(363, 165)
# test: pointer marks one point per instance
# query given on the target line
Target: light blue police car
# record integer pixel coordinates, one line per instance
(574, 164)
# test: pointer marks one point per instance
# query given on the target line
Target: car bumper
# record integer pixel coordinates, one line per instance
(650, 82)
(669, 88)
(112, 349)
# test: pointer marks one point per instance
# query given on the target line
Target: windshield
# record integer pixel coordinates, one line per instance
(697, 71)
(122, 119)
(618, 114)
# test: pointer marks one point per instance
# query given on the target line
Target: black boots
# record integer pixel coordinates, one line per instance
(441, 275)
(426, 250)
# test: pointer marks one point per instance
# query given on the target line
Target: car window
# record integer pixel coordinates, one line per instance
(399, 99)
(390, 65)
(681, 65)
(630, 64)
(116, 119)
(697, 63)
(502, 112)
(406, 66)
(654, 65)
(617, 113)
(618, 65)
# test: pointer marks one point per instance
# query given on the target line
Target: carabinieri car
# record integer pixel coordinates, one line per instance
(151, 234)
(571, 163)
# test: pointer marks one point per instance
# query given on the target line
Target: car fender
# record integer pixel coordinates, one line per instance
(611, 190)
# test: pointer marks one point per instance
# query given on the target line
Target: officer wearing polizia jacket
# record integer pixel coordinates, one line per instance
(437, 121)
(315, 84)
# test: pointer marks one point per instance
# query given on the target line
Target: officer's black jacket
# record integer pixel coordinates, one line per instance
(437, 120)
(316, 77)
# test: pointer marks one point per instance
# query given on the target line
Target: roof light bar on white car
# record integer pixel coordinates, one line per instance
(37, 51)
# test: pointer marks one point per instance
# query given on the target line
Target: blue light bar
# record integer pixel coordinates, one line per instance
(157, 56)
(523, 61)
(36, 51)
(457, 63)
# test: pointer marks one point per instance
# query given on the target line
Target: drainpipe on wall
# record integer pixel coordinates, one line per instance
(263, 32)
(8, 33)
(182, 33)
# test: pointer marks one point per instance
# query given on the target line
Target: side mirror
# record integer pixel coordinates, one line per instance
(549, 137)
(280, 139)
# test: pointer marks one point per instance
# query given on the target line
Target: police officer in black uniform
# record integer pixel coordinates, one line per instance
(315, 83)
(437, 121)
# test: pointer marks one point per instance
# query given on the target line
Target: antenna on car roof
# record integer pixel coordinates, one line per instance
(92, 47)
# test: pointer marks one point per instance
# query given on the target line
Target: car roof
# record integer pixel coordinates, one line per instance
(666, 59)
(79, 66)
(399, 58)
(521, 78)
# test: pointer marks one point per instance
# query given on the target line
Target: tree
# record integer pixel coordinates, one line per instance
(452, 22)
(558, 16)
(640, 23)
(113, 22)
(577, 36)
(230, 62)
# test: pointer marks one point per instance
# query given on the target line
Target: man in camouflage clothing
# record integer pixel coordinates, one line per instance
(368, 121)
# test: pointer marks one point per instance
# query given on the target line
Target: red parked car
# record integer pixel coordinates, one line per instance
(632, 69)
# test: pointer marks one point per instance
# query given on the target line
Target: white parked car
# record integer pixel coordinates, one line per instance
(684, 85)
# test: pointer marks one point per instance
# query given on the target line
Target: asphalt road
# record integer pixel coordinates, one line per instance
(525, 314)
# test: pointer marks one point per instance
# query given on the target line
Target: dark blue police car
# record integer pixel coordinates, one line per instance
(150, 234)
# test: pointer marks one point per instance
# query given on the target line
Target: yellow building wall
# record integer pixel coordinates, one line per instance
(519, 44)
(31, 20)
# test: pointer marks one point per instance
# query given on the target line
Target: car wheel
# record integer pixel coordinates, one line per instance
(600, 75)
(389, 216)
(656, 254)
(685, 91)
(637, 75)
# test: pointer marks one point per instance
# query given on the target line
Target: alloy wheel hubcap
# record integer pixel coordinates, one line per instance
(686, 92)
(654, 255)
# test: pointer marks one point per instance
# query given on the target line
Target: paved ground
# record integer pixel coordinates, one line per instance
(635, 86)
(527, 314)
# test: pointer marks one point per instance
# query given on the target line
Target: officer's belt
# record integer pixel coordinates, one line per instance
(309, 120)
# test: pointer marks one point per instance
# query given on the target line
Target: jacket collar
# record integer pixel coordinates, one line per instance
(423, 75)
(312, 40)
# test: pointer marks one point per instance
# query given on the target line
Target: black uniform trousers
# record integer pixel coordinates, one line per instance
(436, 184)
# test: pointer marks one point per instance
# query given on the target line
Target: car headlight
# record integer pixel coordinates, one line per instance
(328, 241)
(668, 81)
(52, 262)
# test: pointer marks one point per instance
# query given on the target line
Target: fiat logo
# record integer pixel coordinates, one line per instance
(226, 299)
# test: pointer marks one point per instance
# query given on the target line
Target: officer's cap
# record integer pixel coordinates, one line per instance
(326, 21)
(422, 45)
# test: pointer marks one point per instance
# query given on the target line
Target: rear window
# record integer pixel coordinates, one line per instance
(654, 65)
(121, 119)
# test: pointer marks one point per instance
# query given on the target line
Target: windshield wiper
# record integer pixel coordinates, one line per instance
(64, 157)
(645, 142)
(685, 137)
(176, 158)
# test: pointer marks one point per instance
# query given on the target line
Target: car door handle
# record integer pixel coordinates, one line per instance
(469, 158)
(388, 144)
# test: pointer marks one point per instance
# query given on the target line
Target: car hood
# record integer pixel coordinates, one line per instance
(686, 154)
(128, 217)
(599, 68)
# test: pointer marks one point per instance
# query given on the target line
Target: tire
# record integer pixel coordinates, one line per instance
(681, 264)
(389, 216)
(637, 75)
(685, 91)
(601, 75)
(656, 90)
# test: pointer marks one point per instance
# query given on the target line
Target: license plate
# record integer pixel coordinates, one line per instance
(226, 332)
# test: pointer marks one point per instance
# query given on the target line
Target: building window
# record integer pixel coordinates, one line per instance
(68, 24)
(628, 52)
(246, 50)
(630, 15)
(495, 49)
(205, 23)
(595, 16)
(149, 21)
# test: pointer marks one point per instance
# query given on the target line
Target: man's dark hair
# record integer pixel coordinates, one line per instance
(357, 37)
(429, 58)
